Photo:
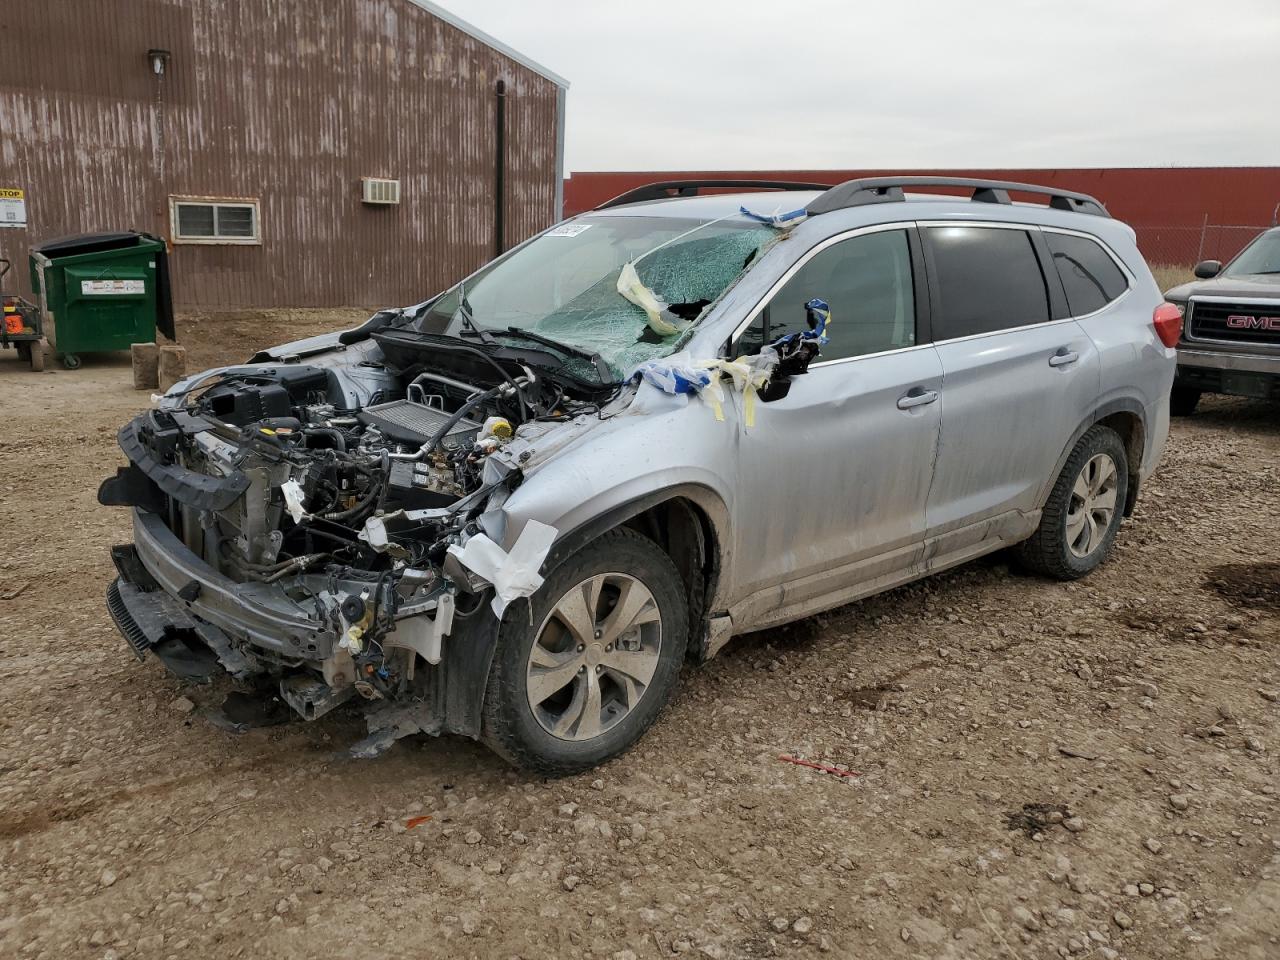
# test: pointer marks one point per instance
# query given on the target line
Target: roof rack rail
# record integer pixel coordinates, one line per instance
(856, 193)
(689, 188)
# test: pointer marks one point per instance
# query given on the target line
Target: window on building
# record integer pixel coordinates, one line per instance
(214, 221)
(1089, 274)
(988, 279)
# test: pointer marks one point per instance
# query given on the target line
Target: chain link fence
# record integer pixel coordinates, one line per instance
(1184, 247)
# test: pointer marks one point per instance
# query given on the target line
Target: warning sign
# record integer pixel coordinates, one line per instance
(112, 287)
(13, 207)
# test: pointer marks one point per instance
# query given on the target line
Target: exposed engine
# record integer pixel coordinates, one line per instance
(344, 496)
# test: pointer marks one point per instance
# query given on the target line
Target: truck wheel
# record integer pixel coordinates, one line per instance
(1182, 401)
(1084, 510)
(585, 676)
(36, 355)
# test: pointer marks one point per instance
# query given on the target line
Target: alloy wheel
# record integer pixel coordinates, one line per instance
(1093, 504)
(594, 656)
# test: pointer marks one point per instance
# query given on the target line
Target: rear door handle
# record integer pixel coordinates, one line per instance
(1062, 359)
(917, 397)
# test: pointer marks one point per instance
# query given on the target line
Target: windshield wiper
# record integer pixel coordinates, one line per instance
(468, 321)
(602, 368)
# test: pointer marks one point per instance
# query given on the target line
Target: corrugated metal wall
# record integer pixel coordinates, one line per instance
(1181, 213)
(290, 102)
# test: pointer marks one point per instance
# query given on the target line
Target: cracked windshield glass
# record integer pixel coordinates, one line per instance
(564, 286)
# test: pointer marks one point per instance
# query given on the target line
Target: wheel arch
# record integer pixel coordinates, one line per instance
(1127, 417)
(688, 522)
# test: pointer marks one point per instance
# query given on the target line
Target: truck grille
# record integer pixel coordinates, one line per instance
(1236, 322)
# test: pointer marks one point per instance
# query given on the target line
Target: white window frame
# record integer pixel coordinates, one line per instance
(251, 202)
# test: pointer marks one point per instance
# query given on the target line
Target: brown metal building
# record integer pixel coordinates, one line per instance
(256, 136)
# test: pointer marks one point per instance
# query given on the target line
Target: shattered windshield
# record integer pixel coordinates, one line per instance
(626, 288)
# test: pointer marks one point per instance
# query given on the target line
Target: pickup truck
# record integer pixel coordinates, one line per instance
(1231, 331)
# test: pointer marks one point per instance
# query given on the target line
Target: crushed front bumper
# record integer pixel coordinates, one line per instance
(168, 602)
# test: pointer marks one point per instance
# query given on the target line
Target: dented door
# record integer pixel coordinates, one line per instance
(833, 478)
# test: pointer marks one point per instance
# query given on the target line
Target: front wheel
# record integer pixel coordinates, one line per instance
(1084, 510)
(585, 676)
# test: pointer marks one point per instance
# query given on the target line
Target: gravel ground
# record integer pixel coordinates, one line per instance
(1042, 769)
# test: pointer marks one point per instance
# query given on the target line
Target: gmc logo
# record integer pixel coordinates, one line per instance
(1239, 321)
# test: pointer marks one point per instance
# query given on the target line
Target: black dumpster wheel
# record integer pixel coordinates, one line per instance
(70, 361)
(36, 354)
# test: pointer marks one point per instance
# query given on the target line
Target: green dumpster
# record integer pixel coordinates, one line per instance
(102, 291)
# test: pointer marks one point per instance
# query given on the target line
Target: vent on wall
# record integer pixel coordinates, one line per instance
(377, 190)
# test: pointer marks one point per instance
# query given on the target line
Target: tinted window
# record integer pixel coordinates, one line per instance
(867, 282)
(1089, 275)
(988, 279)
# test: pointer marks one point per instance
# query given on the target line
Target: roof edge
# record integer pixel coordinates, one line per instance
(488, 40)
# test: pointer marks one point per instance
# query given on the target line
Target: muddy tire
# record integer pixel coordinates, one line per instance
(1084, 509)
(1183, 401)
(36, 354)
(583, 669)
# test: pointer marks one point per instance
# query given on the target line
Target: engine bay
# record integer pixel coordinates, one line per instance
(346, 499)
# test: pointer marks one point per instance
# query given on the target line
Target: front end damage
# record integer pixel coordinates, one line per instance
(332, 530)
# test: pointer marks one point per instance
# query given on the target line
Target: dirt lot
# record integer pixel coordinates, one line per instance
(1044, 769)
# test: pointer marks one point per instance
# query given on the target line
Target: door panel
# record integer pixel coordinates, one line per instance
(835, 475)
(1010, 403)
(1018, 377)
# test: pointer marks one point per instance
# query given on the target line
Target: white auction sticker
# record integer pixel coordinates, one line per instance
(13, 207)
(110, 287)
(567, 230)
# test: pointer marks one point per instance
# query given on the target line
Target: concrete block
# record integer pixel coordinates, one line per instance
(173, 365)
(146, 366)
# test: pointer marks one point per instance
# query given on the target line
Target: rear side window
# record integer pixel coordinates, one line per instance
(1089, 275)
(989, 279)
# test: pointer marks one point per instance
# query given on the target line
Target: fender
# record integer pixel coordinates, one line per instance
(457, 685)
(1119, 405)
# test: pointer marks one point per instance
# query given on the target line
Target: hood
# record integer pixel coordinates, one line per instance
(1264, 285)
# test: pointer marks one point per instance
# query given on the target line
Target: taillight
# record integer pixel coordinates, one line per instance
(1167, 319)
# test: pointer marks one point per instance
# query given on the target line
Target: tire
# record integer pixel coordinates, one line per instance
(71, 361)
(1054, 550)
(36, 355)
(1183, 401)
(522, 732)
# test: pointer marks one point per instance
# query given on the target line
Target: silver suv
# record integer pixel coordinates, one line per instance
(514, 511)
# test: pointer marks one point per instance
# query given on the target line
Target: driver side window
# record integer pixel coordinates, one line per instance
(866, 280)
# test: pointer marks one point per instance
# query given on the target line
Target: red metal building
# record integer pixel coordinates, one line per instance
(1181, 213)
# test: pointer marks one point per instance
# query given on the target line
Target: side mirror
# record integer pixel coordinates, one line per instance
(1208, 269)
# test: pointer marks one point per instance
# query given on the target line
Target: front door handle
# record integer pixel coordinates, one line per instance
(1063, 358)
(917, 397)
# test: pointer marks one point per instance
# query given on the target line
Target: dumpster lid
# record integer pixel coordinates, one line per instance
(93, 243)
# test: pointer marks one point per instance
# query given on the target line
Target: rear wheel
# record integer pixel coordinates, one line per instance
(1183, 401)
(1084, 509)
(584, 677)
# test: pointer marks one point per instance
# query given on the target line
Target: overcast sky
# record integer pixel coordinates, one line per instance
(790, 84)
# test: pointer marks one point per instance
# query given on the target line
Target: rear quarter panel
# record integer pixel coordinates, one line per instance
(1137, 368)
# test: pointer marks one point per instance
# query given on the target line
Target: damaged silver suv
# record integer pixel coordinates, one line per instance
(514, 511)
